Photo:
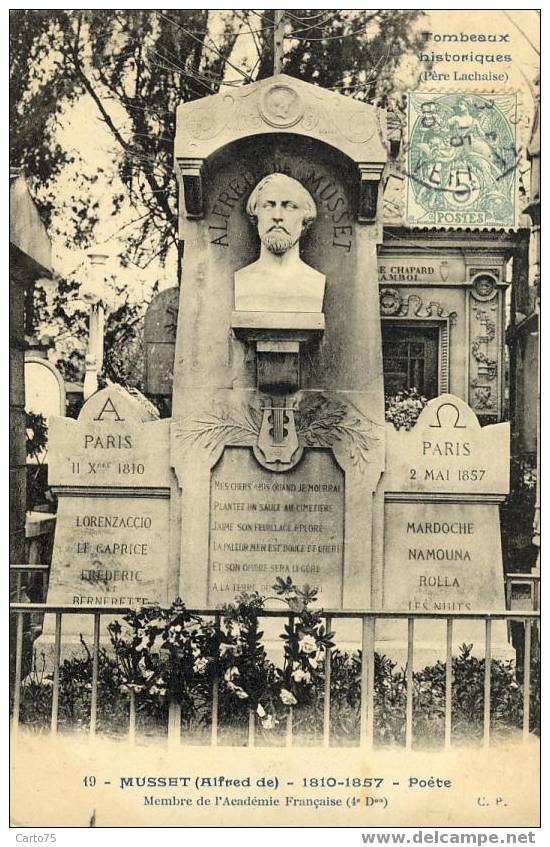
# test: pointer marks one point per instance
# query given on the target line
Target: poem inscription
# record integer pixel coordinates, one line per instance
(265, 525)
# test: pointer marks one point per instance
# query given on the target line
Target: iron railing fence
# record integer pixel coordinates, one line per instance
(22, 575)
(368, 618)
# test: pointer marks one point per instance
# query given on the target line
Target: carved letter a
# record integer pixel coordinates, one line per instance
(108, 409)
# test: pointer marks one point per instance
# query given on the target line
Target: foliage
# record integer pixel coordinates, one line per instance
(130, 68)
(242, 661)
(133, 67)
(389, 700)
(166, 653)
(171, 655)
(305, 643)
(36, 430)
(517, 516)
(59, 312)
(403, 408)
(75, 687)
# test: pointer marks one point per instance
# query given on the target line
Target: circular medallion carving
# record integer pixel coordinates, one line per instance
(204, 123)
(281, 105)
(390, 301)
(484, 286)
(355, 127)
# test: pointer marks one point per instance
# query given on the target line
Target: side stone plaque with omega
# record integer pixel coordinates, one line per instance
(265, 525)
(444, 482)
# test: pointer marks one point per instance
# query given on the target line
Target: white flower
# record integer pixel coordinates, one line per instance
(240, 692)
(314, 660)
(142, 665)
(288, 697)
(260, 711)
(301, 676)
(232, 649)
(307, 644)
(267, 722)
(231, 673)
(200, 665)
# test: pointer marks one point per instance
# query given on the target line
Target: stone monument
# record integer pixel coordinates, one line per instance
(277, 461)
(277, 433)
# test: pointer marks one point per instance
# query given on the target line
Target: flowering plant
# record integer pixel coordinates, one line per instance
(305, 642)
(190, 644)
(166, 653)
(404, 407)
(242, 661)
(138, 666)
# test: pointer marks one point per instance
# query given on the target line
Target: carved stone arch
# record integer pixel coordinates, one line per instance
(281, 104)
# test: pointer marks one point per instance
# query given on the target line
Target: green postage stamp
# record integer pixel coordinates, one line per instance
(462, 160)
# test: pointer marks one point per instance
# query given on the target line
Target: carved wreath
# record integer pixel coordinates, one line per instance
(320, 422)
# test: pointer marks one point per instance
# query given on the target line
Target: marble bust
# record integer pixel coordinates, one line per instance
(279, 281)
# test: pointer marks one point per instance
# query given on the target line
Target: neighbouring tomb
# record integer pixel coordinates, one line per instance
(159, 339)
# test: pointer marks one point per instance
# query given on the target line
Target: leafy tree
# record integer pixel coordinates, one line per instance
(131, 68)
(135, 66)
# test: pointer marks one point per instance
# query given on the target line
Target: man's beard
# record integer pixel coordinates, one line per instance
(278, 242)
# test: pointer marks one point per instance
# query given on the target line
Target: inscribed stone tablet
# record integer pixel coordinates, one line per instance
(110, 551)
(447, 451)
(265, 525)
(443, 557)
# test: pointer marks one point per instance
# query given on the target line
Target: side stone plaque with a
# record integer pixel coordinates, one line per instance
(110, 470)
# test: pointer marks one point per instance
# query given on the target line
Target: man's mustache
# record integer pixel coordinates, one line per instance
(279, 228)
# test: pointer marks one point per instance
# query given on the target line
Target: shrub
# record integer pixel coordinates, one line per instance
(403, 408)
(170, 655)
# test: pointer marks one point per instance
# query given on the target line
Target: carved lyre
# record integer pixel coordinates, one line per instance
(278, 441)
